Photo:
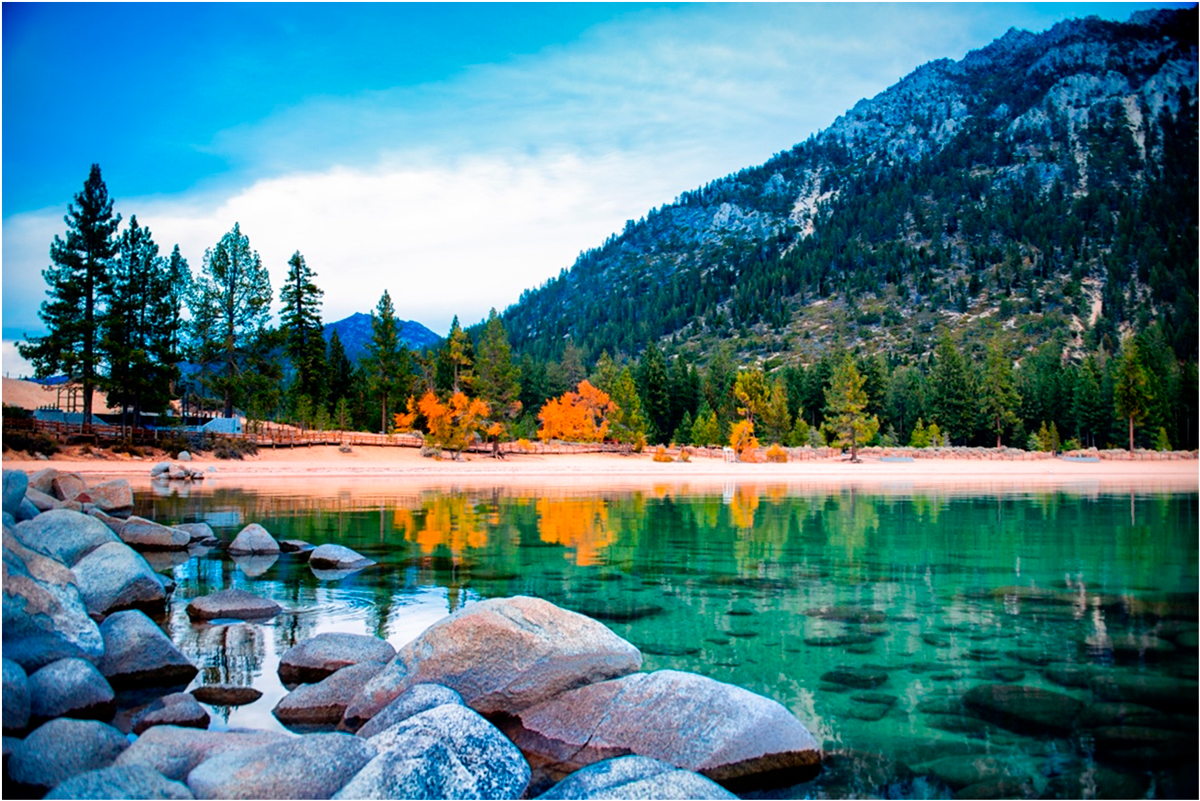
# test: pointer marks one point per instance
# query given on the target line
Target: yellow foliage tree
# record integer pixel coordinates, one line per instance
(452, 425)
(742, 439)
(580, 416)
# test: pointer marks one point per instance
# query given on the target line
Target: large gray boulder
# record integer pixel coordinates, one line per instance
(137, 653)
(634, 777)
(314, 766)
(115, 577)
(62, 748)
(413, 701)
(729, 734)
(173, 751)
(15, 697)
(445, 752)
(15, 484)
(134, 781)
(254, 539)
(324, 654)
(501, 655)
(150, 536)
(113, 497)
(70, 688)
(324, 703)
(63, 535)
(232, 603)
(44, 616)
(337, 557)
(176, 709)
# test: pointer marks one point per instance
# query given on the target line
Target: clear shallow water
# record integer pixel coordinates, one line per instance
(869, 616)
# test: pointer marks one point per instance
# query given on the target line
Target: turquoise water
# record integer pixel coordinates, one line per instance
(870, 616)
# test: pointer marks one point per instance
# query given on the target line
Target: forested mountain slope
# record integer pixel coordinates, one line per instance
(1043, 186)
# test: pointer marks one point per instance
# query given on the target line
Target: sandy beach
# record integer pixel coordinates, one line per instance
(326, 465)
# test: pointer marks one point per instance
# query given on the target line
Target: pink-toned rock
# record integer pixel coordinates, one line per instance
(112, 496)
(68, 486)
(501, 655)
(724, 732)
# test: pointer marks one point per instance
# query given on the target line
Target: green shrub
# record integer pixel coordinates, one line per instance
(227, 448)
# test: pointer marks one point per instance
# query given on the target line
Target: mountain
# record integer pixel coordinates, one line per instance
(1044, 186)
(355, 333)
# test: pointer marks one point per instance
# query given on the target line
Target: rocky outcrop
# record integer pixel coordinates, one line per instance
(44, 616)
(318, 657)
(253, 539)
(137, 653)
(313, 766)
(232, 603)
(134, 781)
(337, 557)
(445, 752)
(62, 748)
(115, 577)
(173, 751)
(635, 777)
(63, 535)
(324, 703)
(70, 688)
(729, 734)
(176, 709)
(501, 655)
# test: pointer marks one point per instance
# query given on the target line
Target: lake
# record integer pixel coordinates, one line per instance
(878, 618)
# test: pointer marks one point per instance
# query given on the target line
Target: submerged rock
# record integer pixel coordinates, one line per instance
(232, 603)
(445, 752)
(847, 614)
(318, 657)
(860, 678)
(313, 766)
(729, 734)
(226, 695)
(337, 557)
(62, 748)
(1161, 692)
(501, 655)
(1025, 709)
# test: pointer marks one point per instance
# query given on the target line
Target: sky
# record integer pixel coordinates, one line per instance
(454, 155)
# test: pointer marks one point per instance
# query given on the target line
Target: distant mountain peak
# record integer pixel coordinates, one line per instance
(355, 332)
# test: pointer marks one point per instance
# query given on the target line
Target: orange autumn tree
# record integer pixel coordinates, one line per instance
(580, 416)
(451, 425)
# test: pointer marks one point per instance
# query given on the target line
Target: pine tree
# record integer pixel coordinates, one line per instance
(706, 430)
(304, 336)
(341, 372)
(845, 408)
(653, 387)
(776, 421)
(752, 393)
(230, 306)
(952, 390)
(1132, 393)
(627, 422)
(998, 395)
(1088, 405)
(78, 281)
(498, 380)
(387, 364)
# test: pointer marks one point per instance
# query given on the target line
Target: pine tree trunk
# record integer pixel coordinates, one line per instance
(1131, 433)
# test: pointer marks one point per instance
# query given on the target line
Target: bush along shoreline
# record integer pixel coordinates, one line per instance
(505, 698)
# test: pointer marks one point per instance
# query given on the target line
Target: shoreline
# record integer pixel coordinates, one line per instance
(326, 465)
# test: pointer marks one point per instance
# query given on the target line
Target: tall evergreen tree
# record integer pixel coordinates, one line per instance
(1089, 408)
(387, 364)
(341, 371)
(497, 379)
(179, 282)
(846, 407)
(78, 280)
(456, 361)
(1132, 392)
(304, 336)
(998, 395)
(952, 400)
(653, 387)
(775, 422)
(627, 424)
(230, 305)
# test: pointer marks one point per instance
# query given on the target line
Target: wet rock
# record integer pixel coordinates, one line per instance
(254, 539)
(325, 702)
(68, 486)
(1033, 656)
(413, 701)
(941, 706)
(173, 751)
(859, 678)
(501, 655)
(322, 655)
(624, 610)
(667, 649)
(832, 640)
(847, 614)
(176, 709)
(1002, 673)
(874, 698)
(337, 557)
(115, 577)
(44, 616)
(936, 639)
(295, 546)
(635, 777)
(70, 688)
(226, 695)
(729, 734)
(1022, 708)
(134, 781)
(868, 712)
(112, 497)
(150, 536)
(964, 771)
(16, 482)
(1069, 675)
(445, 752)
(958, 724)
(1160, 692)
(137, 653)
(255, 565)
(198, 532)
(62, 748)
(232, 603)
(314, 766)
(63, 535)
(15, 697)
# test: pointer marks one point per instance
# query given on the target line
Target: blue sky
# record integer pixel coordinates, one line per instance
(454, 154)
